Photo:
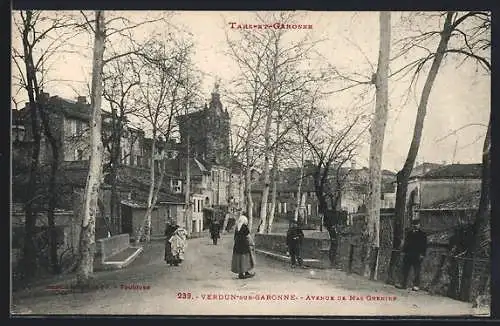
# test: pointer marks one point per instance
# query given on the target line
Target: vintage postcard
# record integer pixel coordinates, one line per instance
(232, 163)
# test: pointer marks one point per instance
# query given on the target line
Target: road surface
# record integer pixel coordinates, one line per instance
(204, 285)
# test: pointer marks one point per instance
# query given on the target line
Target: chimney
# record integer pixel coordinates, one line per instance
(81, 100)
(44, 96)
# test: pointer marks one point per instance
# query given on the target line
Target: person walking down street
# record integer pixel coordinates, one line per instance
(178, 241)
(414, 249)
(169, 232)
(215, 231)
(243, 260)
(294, 239)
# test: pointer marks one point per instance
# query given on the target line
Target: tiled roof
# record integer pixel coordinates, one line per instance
(469, 200)
(423, 168)
(469, 171)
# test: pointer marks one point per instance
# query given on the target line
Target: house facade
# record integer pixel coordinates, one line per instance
(446, 182)
(69, 122)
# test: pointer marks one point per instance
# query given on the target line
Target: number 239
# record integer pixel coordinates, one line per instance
(183, 295)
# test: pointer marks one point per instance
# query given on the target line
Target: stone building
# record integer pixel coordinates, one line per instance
(207, 133)
(440, 184)
(69, 122)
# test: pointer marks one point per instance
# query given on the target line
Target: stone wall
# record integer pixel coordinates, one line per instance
(67, 228)
(351, 245)
(311, 247)
(108, 247)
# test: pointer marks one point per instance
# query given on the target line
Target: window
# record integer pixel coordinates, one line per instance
(72, 127)
(138, 160)
(78, 155)
(78, 128)
(176, 186)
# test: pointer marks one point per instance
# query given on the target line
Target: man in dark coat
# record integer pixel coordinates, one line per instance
(215, 231)
(414, 249)
(294, 238)
(332, 253)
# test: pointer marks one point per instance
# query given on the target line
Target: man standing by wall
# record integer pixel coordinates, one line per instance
(294, 239)
(414, 250)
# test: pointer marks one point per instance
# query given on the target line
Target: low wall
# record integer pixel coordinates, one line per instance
(311, 247)
(107, 247)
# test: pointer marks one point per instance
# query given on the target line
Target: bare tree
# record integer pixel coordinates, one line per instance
(274, 69)
(377, 129)
(330, 149)
(91, 195)
(463, 42)
(42, 36)
(247, 98)
(120, 81)
(164, 94)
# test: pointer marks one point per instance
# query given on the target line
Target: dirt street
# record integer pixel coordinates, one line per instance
(204, 285)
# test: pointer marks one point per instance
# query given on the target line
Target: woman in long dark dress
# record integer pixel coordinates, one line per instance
(169, 232)
(243, 260)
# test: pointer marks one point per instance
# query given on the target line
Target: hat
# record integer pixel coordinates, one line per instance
(415, 222)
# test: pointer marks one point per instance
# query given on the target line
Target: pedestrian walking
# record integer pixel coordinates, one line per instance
(414, 249)
(294, 239)
(332, 253)
(243, 260)
(215, 231)
(178, 243)
(169, 232)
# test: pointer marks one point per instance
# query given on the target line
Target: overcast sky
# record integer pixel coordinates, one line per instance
(461, 95)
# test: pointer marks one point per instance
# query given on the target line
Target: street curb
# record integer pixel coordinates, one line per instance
(112, 265)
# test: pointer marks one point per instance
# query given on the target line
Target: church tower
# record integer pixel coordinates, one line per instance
(218, 122)
(208, 130)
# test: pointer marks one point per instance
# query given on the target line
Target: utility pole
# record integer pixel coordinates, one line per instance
(187, 211)
(455, 150)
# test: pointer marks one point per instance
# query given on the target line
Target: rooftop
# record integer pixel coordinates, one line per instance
(459, 171)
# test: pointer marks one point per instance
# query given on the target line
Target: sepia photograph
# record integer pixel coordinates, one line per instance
(250, 163)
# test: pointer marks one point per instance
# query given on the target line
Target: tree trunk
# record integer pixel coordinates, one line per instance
(29, 260)
(377, 141)
(404, 174)
(115, 164)
(187, 212)
(479, 246)
(248, 187)
(89, 212)
(274, 177)
(152, 181)
(301, 177)
(267, 177)
(230, 199)
(241, 190)
(53, 194)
